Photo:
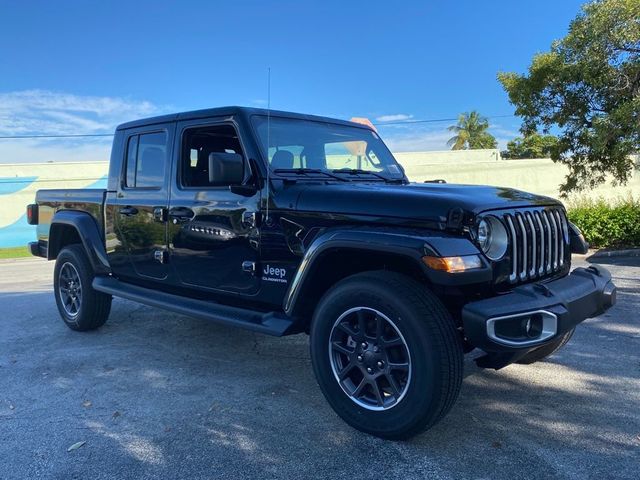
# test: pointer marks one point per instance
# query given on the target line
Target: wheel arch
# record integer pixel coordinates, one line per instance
(335, 256)
(72, 227)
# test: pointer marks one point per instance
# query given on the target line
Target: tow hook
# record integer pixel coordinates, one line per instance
(609, 292)
(543, 289)
(594, 270)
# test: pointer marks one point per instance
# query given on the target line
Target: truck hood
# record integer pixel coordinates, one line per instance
(423, 201)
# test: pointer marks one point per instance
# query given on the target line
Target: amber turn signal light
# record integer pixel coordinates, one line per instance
(453, 264)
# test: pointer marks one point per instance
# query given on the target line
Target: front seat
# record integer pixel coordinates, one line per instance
(282, 159)
(314, 157)
(200, 174)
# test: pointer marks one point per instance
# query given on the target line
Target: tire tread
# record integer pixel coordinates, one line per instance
(431, 307)
(440, 327)
(96, 306)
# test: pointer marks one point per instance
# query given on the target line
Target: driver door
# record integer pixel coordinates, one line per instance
(212, 231)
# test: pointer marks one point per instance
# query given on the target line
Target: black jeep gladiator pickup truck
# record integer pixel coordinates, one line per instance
(284, 223)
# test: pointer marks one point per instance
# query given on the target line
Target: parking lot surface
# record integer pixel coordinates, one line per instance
(158, 395)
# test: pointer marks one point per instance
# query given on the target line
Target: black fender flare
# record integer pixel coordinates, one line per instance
(89, 233)
(411, 246)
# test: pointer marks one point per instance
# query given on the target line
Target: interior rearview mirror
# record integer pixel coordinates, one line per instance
(226, 168)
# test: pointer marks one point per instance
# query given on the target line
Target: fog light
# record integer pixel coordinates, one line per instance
(453, 264)
(523, 329)
(533, 326)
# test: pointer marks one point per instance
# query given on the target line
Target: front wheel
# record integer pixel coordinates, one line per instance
(81, 307)
(386, 354)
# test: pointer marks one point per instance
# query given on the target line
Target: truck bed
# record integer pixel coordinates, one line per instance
(89, 200)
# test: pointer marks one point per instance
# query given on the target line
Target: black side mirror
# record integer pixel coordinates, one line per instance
(576, 240)
(226, 168)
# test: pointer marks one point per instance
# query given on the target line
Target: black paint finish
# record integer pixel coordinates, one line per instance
(138, 233)
(272, 246)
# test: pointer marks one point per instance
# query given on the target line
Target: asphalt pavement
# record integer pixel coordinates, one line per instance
(158, 395)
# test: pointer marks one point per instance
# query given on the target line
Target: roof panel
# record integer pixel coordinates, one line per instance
(232, 110)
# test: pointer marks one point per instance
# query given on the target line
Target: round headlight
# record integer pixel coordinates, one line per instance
(492, 238)
(484, 234)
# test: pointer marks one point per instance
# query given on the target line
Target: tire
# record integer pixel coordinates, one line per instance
(547, 350)
(421, 329)
(81, 307)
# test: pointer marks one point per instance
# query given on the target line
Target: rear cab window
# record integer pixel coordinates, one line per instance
(146, 160)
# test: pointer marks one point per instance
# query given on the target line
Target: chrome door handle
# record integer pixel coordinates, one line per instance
(128, 211)
(180, 214)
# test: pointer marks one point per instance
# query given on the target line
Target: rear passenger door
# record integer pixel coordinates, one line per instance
(139, 206)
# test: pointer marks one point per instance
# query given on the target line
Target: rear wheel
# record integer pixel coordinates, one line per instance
(81, 307)
(386, 354)
(547, 350)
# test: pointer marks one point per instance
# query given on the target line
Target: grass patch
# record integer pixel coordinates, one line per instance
(15, 252)
(608, 224)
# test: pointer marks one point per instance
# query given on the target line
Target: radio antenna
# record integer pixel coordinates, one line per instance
(268, 219)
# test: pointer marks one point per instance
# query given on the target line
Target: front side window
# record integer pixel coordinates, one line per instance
(146, 160)
(329, 147)
(197, 144)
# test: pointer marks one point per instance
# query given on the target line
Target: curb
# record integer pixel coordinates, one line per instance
(21, 259)
(629, 252)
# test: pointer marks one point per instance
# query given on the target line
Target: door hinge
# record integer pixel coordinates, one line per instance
(161, 256)
(250, 219)
(160, 214)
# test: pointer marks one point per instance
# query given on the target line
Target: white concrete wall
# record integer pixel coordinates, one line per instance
(448, 156)
(541, 175)
(19, 182)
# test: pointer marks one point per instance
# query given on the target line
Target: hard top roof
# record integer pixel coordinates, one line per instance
(234, 110)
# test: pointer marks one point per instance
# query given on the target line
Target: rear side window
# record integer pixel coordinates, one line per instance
(146, 160)
(132, 151)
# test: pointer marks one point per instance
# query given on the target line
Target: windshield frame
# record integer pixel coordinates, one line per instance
(374, 175)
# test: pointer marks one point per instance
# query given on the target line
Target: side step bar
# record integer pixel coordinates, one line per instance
(271, 323)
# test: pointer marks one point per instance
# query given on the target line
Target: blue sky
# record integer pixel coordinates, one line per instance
(82, 67)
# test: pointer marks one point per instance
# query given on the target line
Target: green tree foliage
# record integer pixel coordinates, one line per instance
(531, 146)
(471, 133)
(588, 86)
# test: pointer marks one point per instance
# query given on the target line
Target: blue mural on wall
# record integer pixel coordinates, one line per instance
(100, 183)
(17, 234)
(20, 233)
(9, 185)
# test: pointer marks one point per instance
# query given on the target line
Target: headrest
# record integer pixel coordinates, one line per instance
(314, 157)
(282, 159)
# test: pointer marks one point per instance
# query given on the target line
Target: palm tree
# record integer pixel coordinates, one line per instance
(471, 132)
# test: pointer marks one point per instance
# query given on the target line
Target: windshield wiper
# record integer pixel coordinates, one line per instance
(359, 171)
(306, 171)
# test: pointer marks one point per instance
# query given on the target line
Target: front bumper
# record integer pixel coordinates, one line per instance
(509, 326)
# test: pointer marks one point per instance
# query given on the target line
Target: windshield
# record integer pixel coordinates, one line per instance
(328, 147)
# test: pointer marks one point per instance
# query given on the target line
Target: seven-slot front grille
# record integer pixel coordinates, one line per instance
(537, 242)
